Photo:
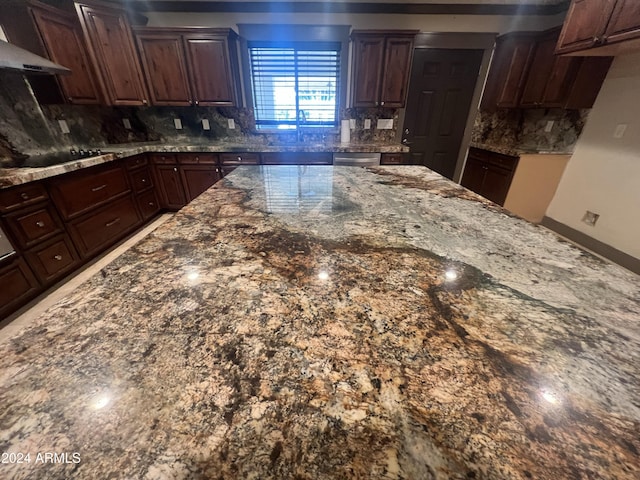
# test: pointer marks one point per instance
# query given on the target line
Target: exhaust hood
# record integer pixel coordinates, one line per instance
(21, 60)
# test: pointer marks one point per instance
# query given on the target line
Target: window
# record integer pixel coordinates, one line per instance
(295, 85)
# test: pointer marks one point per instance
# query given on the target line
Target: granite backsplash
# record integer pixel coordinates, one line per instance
(27, 128)
(524, 129)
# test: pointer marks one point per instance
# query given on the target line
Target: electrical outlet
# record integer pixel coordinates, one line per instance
(63, 126)
(619, 131)
(385, 124)
(205, 124)
(549, 126)
(352, 123)
(127, 123)
(178, 123)
(231, 123)
(590, 218)
(367, 124)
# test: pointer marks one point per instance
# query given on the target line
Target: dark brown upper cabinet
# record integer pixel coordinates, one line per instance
(381, 65)
(600, 27)
(113, 55)
(509, 67)
(526, 73)
(61, 37)
(189, 66)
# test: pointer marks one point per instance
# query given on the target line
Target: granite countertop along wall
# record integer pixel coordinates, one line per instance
(333, 323)
(20, 175)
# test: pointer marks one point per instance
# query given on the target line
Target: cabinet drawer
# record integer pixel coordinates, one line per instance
(53, 259)
(163, 158)
(479, 154)
(240, 158)
(17, 285)
(503, 161)
(297, 158)
(21, 196)
(80, 193)
(141, 180)
(148, 204)
(197, 158)
(34, 226)
(135, 162)
(104, 226)
(392, 159)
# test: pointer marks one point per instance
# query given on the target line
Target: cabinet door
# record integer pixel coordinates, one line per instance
(210, 70)
(62, 38)
(170, 185)
(496, 184)
(17, 285)
(165, 68)
(550, 76)
(584, 24)
(113, 54)
(395, 73)
(624, 23)
(589, 79)
(53, 259)
(517, 58)
(198, 178)
(367, 70)
(473, 176)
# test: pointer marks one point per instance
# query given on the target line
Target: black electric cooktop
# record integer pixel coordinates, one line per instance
(57, 158)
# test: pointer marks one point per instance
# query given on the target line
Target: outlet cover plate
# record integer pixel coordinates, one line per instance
(231, 123)
(127, 123)
(385, 124)
(367, 124)
(590, 218)
(178, 123)
(549, 126)
(619, 131)
(205, 124)
(63, 126)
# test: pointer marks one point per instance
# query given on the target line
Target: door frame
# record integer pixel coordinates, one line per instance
(459, 41)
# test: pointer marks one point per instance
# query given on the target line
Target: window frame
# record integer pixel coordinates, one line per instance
(294, 33)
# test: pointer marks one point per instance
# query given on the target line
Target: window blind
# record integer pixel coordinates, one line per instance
(295, 85)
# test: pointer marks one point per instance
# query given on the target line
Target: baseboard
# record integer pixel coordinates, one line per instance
(623, 259)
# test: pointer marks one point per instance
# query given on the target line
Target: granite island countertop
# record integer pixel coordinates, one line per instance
(20, 175)
(516, 151)
(334, 323)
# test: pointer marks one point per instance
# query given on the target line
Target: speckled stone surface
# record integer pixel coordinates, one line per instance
(334, 323)
(18, 176)
(514, 151)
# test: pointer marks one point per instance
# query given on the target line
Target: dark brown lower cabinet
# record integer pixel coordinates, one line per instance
(198, 178)
(53, 259)
(489, 174)
(170, 188)
(17, 285)
(104, 226)
(148, 204)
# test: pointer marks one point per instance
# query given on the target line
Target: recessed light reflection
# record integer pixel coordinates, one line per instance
(550, 397)
(322, 275)
(193, 276)
(450, 275)
(100, 401)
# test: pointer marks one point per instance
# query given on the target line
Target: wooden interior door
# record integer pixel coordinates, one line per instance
(440, 93)
(165, 68)
(210, 70)
(62, 39)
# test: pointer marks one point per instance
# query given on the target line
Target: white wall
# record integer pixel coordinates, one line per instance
(603, 175)
(424, 23)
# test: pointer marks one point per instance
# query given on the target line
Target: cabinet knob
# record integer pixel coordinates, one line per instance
(196, 102)
(197, 158)
(381, 103)
(70, 99)
(175, 169)
(24, 196)
(144, 180)
(239, 158)
(151, 204)
(376, 104)
(40, 224)
(57, 257)
(144, 101)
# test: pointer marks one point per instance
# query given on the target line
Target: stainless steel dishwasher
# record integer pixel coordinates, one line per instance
(6, 248)
(356, 159)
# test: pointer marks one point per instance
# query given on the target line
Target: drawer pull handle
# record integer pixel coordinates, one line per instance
(40, 223)
(112, 222)
(24, 196)
(97, 189)
(197, 159)
(239, 159)
(57, 257)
